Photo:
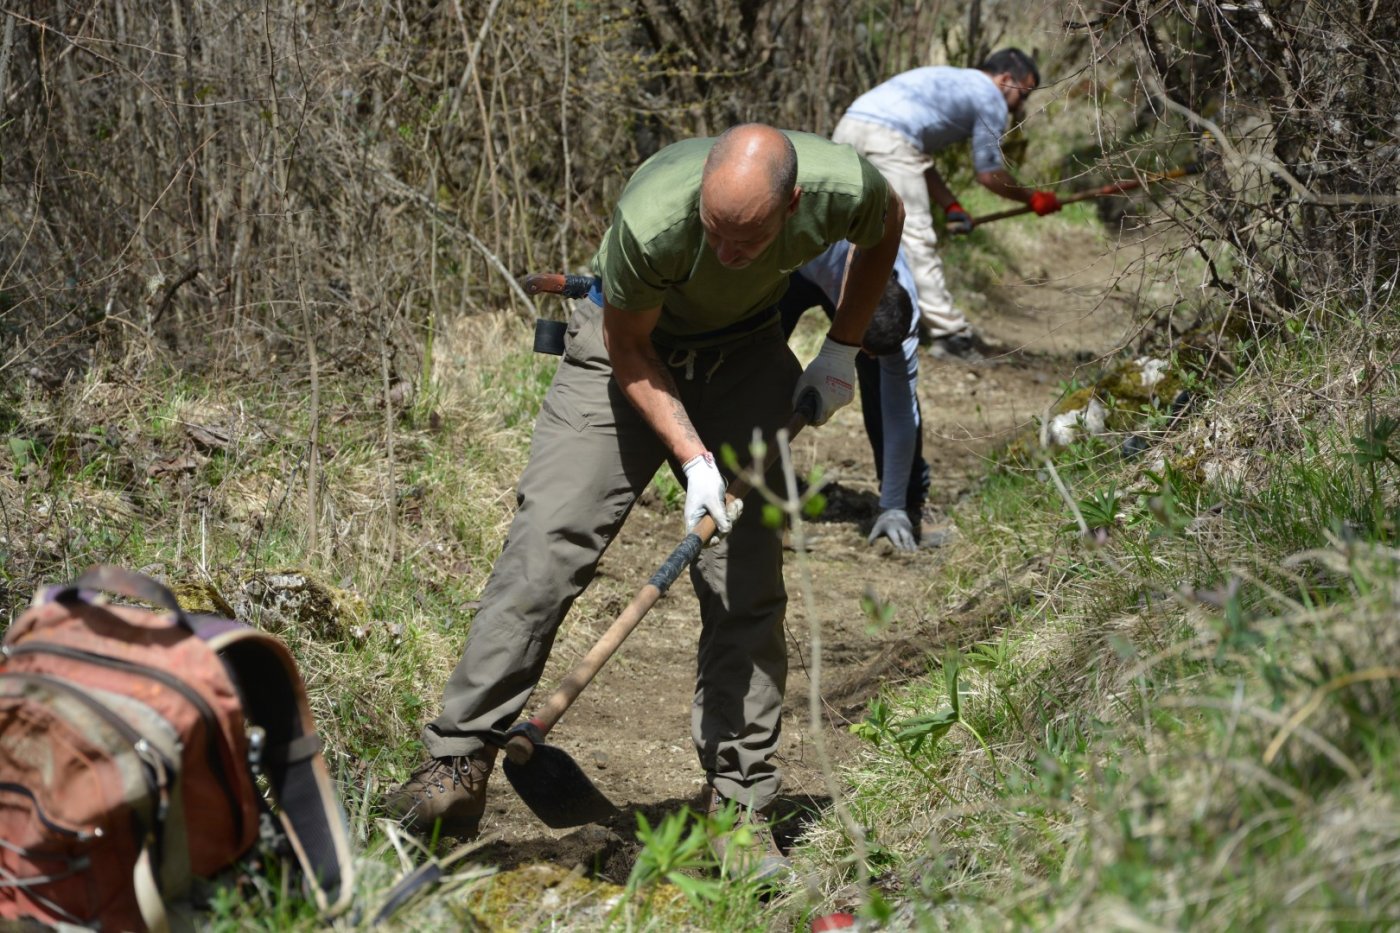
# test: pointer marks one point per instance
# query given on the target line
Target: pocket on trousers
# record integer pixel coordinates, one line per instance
(560, 410)
(584, 395)
(583, 341)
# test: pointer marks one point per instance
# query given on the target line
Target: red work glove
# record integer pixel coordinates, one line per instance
(1044, 202)
(956, 219)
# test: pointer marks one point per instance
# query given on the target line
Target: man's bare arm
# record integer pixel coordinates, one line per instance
(646, 381)
(938, 192)
(866, 278)
(1000, 182)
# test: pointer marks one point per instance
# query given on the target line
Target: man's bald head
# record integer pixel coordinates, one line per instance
(751, 159)
(747, 189)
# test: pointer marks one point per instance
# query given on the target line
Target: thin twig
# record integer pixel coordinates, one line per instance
(792, 505)
(281, 167)
(390, 471)
(1276, 168)
(450, 222)
(564, 142)
(170, 290)
(472, 56)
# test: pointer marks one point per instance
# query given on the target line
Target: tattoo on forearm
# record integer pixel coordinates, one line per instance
(682, 419)
(662, 378)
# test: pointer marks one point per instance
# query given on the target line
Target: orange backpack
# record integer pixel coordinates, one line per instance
(132, 744)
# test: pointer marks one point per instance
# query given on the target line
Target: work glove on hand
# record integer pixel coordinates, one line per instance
(1044, 202)
(956, 220)
(895, 525)
(831, 377)
(704, 492)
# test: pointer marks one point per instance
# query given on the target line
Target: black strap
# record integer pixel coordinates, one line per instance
(424, 876)
(111, 579)
(297, 750)
(275, 699)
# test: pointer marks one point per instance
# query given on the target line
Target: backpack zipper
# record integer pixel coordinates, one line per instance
(202, 707)
(139, 745)
(77, 834)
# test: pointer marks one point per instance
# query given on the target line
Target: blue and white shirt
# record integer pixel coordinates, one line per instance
(938, 106)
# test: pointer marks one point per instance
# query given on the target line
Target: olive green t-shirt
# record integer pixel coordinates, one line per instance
(655, 252)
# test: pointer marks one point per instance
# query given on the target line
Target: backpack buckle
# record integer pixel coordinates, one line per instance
(257, 743)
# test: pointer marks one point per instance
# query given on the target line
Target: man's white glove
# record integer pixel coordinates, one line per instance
(704, 492)
(831, 377)
(894, 524)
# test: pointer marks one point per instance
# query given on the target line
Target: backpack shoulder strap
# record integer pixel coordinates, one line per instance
(274, 698)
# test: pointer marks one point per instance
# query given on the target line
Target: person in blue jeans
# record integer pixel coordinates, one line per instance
(888, 373)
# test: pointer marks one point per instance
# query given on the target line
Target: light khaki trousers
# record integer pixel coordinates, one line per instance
(591, 456)
(903, 166)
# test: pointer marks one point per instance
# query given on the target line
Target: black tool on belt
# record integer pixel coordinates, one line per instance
(549, 335)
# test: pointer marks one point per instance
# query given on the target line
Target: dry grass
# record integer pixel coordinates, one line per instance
(203, 231)
(1172, 748)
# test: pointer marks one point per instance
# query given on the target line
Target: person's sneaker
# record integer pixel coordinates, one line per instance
(747, 849)
(962, 346)
(445, 794)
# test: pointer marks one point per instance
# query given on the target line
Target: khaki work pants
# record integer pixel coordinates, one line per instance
(903, 166)
(591, 456)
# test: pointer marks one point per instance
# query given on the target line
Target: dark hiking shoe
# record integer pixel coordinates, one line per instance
(967, 346)
(961, 347)
(446, 794)
(747, 848)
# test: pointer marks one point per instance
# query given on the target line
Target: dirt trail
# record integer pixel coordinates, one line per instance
(630, 730)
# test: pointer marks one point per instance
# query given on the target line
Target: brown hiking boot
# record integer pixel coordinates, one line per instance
(747, 849)
(448, 794)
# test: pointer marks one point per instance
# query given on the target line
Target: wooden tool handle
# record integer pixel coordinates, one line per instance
(1112, 188)
(555, 283)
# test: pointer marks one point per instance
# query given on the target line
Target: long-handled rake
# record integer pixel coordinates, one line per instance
(1116, 187)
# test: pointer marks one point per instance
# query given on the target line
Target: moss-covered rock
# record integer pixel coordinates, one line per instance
(517, 899)
(1137, 386)
(203, 597)
(1117, 402)
(276, 600)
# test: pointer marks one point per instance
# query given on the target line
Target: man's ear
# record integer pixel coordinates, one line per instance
(796, 196)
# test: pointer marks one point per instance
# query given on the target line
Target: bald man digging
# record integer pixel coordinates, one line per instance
(678, 351)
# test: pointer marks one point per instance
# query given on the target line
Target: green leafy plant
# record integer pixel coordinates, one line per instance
(912, 734)
(1371, 451)
(674, 852)
(23, 451)
(1373, 447)
(875, 727)
(879, 612)
(915, 738)
(668, 491)
(1100, 511)
(1164, 504)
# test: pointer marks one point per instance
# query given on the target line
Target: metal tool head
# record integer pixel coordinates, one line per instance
(556, 789)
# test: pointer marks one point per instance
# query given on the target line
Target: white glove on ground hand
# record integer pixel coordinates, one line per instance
(894, 524)
(831, 377)
(704, 492)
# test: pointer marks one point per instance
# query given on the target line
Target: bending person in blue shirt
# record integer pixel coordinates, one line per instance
(900, 124)
(888, 373)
